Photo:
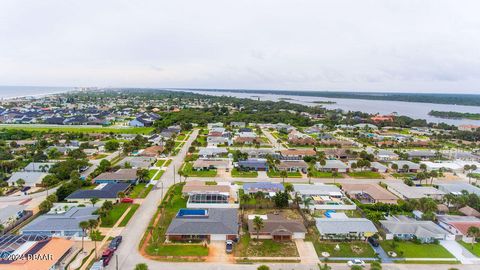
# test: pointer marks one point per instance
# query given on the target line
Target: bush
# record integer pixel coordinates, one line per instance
(263, 267)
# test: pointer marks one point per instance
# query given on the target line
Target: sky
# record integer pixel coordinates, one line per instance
(351, 45)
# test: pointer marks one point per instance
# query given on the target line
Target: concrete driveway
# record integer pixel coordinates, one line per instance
(461, 253)
(217, 253)
(306, 251)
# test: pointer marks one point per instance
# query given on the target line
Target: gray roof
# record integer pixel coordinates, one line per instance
(68, 221)
(106, 191)
(411, 165)
(38, 166)
(457, 188)
(120, 175)
(331, 164)
(31, 178)
(344, 226)
(421, 153)
(419, 228)
(219, 221)
(138, 162)
(209, 151)
(413, 192)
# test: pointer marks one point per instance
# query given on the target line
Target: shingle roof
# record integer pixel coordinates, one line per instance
(219, 221)
(410, 226)
(31, 178)
(122, 174)
(263, 186)
(107, 191)
(277, 224)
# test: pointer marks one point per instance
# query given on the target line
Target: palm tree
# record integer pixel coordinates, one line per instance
(335, 174)
(283, 175)
(405, 168)
(121, 195)
(307, 201)
(92, 224)
(84, 226)
(309, 175)
(20, 182)
(258, 197)
(94, 200)
(395, 167)
(473, 232)
(95, 235)
(258, 225)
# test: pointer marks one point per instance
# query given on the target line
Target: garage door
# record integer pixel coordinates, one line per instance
(218, 237)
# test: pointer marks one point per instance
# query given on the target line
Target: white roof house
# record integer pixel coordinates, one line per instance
(31, 179)
(412, 192)
(457, 188)
(332, 165)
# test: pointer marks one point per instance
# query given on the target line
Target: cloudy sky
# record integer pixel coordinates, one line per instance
(403, 45)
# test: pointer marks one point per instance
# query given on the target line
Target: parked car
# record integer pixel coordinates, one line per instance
(356, 262)
(107, 255)
(229, 246)
(126, 200)
(373, 241)
(115, 243)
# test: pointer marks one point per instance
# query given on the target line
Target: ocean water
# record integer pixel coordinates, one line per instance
(21, 91)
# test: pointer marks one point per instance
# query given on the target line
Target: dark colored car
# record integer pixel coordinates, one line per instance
(229, 246)
(373, 241)
(115, 243)
(107, 256)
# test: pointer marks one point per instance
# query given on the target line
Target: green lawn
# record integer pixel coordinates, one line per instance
(347, 249)
(129, 215)
(112, 217)
(167, 163)
(403, 175)
(189, 171)
(180, 137)
(476, 247)
(151, 173)
(365, 174)
(408, 249)
(249, 174)
(317, 174)
(178, 250)
(78, 129)
(137, 190)
(276, 174)
(160, 163)
(160, 173)
(248, 247)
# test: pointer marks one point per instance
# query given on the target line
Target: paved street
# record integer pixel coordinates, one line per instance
(128, 254)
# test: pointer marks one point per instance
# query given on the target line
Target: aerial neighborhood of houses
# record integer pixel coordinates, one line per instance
(90, 178)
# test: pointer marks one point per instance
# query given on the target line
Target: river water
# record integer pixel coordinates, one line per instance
(415, 110)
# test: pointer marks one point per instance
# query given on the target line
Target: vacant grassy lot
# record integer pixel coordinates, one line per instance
(130, 214)
(248, 247)
(317, 174)
(245, 174)
(178, 250)
(151, 173)
(167, 163)
(159, 175)
(189, 171)
(78, 129)
(347, 249)
(365, 174)
(276, 174)
(112, 217)
(140, 191)
(407, 249)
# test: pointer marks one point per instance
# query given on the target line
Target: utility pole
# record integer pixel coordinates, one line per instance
(116, 260)
(174, 174)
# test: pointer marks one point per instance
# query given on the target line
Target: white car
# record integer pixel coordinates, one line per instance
(356, 262)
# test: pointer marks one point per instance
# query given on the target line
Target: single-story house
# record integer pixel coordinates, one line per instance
(383, 155)
(137, 162)
(296, 154)
(293, 166)
(413, 192)
(458, 188)
(201, 195)
(215, 224)
(260, 153)
(238, 124)
(277, 227)
(410, 166)
(324, 197)
(458, 225)
(152, 151)
(120, 176)
(62, 224)
(207, 164)
(32, 179)
(214, 125)
(369, 193)
(421, 154)
(210, 152)
(332, 165)
(408, 228)
(38, 167)
(255, 164)
(469, 211)
(443, 165)
(345, 228)
(10, 215)
(265, 187)
(103, 192)
(378, 167)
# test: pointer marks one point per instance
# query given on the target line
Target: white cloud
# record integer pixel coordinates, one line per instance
(406, 45)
